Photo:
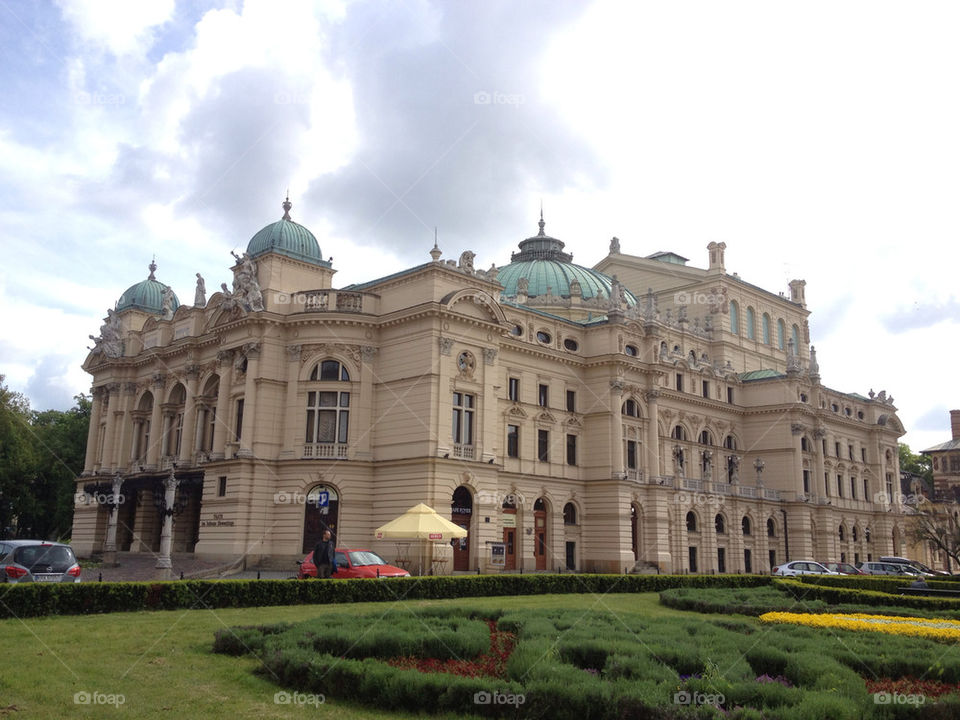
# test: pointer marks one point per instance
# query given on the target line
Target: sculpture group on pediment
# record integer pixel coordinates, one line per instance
(246, 288)
(110, 341)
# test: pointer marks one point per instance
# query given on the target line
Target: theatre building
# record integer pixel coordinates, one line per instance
(641, 413)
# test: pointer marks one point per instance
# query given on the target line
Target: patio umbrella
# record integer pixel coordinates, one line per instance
(422, 523)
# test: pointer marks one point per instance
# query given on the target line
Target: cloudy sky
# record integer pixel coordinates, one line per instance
(818, 140)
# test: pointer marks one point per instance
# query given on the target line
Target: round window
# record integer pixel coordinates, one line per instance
(516, 331)
(630, 350)
(571, 345)
(544, 337)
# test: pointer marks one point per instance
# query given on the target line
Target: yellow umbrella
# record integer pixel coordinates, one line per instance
(423, 523)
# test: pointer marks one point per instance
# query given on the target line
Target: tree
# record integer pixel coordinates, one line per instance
(916, 464)
(41, 454)
(937, 524)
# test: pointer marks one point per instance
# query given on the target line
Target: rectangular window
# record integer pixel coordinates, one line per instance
(889, 487)
(721, 560)
(853, 487)
(513, 441)
(543, 395)
(222, 486)
(679, 382)
(850, 451)
(836, 449)
(239, 427)
(863, 454)
(747, 561)
(824, 441)
(806, 481)
(730, 395)
(692, 555)
(706, 388)
(866, 489)
(840, 485)
(571, 401)
(826, 484)
(543, 445)
(571, 449)
(463, 409)
(328, 417)
(631, 454)
(177, 434)
(513, 389)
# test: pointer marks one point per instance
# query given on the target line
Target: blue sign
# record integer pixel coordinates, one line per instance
(323, 499)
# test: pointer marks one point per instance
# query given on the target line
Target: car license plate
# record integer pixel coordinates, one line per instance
(47, 578)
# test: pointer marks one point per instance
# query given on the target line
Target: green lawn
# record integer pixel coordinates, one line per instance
(163, 666)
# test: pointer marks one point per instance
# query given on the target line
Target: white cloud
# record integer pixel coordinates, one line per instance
(118, 26)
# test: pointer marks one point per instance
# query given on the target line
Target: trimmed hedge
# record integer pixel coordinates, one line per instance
(37, 599)
(835, 595)
(881, 583)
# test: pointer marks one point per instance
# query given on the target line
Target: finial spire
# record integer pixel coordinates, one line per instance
(153, 268)
(436, 252)
(542, 223)
(286, 207)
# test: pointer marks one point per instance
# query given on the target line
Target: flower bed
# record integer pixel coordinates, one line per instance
(935, 629)
(493, 663)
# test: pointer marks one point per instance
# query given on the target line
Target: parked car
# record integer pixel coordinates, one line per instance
(37, 561)
(354, 564)
(883, 568)
(913, 564)
(842, 568)
(802, 567)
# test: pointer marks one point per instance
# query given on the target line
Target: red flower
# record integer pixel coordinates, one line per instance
(493, 663)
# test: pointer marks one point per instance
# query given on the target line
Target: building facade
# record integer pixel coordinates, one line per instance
(638, 414)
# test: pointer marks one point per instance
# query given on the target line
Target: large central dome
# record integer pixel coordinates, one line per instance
(285, 237)
(544, 265)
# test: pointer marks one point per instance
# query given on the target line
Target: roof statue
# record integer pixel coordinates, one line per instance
(246, 288)
(110, 341)
(166, 303)
(200, 296)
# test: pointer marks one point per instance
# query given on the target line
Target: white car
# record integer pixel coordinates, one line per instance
(802, 567)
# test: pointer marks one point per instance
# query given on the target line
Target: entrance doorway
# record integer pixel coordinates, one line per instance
(461, 511)
(509, 534)
(571, 555)
(322, 512)
(540, 533)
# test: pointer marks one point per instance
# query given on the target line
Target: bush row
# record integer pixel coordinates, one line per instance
(36, 599)
(882, 583)
(835, 595)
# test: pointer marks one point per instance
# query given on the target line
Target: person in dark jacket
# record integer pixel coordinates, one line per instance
(325, 556)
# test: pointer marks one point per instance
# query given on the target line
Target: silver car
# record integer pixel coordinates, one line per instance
(882, 568)
(802, 567)
(37, 561)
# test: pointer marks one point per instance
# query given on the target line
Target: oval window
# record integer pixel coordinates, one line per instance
(544, 337)
(571, 345)
(516, 331)
(630, 350)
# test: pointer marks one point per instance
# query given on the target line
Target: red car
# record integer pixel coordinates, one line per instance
(354, 564)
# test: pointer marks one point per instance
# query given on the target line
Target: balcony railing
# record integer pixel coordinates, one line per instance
(465, 452)
(325, 450)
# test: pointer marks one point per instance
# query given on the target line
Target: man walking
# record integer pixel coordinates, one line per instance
(325, 557)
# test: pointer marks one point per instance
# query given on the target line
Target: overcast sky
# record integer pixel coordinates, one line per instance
(818, 140)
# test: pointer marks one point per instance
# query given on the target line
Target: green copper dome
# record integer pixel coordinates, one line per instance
(147, 295)
(285, 237)
(543, 263)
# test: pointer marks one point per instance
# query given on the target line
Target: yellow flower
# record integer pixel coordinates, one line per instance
(935, 629)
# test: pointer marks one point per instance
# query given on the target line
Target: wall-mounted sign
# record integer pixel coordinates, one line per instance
(509, 520)
(498, 554)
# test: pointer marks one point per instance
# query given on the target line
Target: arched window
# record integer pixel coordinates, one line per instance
(720, 525)
(569, 514)
(804, 444)
(730, 442)
(745, 525)
(705, 438)
(330, 370)
(734, 317)
(771, 528)
(781, 334)
(691, 522)
(795, 334)
(679, 433)
(841, 533)
(853, 533)
(751, 321)
(766, 329)
(631, 408)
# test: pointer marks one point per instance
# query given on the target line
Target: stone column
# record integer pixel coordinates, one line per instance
(127, 426)
(488, 425)
(293, 430)
(114, 419)
(220, 425)
(188, 437)
(616, 429)
(110, 546)
(818, 436)
(164, 564)
(96, 406)
(797, 430)
(156, 431)
(652, 454)
(252, 352)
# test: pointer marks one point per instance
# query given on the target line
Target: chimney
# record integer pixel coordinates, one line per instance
(955, 424)
(716, 256)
